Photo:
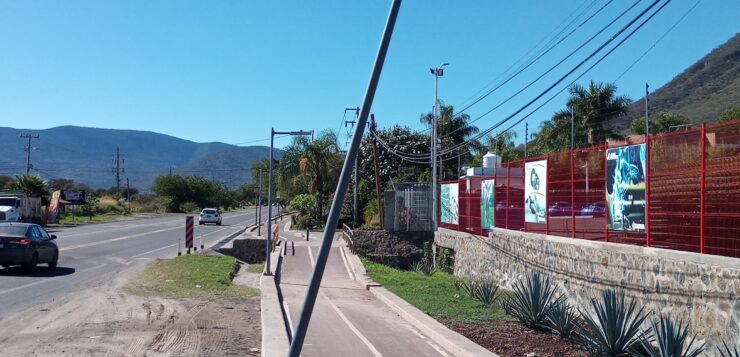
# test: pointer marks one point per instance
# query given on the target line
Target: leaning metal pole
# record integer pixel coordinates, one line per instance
(313, 287)
(268, 242)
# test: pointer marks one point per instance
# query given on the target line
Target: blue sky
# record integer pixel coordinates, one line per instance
(229, 70)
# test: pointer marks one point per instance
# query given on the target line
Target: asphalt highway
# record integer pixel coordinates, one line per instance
(93, 255)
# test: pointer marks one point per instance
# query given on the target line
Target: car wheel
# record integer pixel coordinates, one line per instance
(31, 267)
(53, 262)
(219, 223)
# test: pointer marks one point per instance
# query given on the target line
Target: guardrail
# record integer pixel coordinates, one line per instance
(347, 234)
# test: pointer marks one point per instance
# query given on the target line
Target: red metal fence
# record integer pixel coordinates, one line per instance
(681, 191)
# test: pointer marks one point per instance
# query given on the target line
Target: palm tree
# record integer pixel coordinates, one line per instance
(594, 107)
(316, 163)
(503, 145)
(30, 184)
(453, 130)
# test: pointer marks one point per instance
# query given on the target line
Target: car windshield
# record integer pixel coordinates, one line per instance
(209, 211)
(12, 230)
(7, 202)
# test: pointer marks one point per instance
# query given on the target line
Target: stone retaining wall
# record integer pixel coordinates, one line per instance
(250, 250)
(702, 289)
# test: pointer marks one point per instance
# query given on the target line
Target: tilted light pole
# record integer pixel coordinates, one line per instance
(269, 192)
(437, 72)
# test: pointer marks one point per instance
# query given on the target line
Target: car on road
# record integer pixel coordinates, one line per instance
(596, 209)
(209, 215)
(27, 245)
(561, 208)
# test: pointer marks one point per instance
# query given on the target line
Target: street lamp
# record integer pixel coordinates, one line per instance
(437, 72)
(269, 191)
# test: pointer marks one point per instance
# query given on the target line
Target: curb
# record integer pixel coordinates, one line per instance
(453, 342)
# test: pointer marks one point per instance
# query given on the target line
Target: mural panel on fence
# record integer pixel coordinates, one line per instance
(625, 188)
(535, 191)
(487, 203)
(449, 202)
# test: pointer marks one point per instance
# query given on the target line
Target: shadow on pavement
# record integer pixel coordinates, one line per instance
(41, 272)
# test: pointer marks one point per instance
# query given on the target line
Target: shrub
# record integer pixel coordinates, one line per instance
(304, 203)
(616, 329)
(189, 207)
(485, 290)
(532, 299)
(671, 340)
(561, 318)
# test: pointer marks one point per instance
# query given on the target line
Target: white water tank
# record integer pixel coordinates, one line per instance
(491, 160)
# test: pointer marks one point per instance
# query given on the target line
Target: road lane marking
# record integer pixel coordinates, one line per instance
(2, 292)
(85, 245)
(344, 318)
(346, 264)
(172, 245)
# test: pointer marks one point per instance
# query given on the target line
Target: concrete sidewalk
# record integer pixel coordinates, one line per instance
(353, 316)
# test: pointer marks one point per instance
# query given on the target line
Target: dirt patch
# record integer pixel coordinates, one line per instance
(110, 321)
(509, 339)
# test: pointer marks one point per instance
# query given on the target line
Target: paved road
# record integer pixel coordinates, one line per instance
(347, 319)
(95, 254)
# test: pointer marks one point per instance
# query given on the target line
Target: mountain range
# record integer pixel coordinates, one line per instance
(88, 155)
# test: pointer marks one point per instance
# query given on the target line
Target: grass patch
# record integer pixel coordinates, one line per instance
(98, 218)
(435, 294)
(190, 276)
(256, 268)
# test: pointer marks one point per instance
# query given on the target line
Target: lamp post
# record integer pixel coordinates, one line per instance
(437, 72)
(269, 192)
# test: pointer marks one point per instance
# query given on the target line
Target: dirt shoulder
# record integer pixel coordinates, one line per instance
(111, 321)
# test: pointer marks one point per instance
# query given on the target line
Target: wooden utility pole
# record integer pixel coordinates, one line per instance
(28, 151)
(377, 176)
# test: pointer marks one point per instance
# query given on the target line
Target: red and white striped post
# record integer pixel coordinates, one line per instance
(188, 233)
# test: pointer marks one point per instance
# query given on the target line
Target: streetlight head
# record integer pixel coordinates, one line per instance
(300, 133)
(445, 64)
(432, 70)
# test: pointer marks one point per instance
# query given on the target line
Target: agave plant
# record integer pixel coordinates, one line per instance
(462, 284)
(668, 338)
(561, 318)
(423, 267)
(484, 290)
(532, 299)
(727, 352)
(616, 329)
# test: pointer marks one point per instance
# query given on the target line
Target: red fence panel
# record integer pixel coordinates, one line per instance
(559, 195)
(722, 189)
(589, 185)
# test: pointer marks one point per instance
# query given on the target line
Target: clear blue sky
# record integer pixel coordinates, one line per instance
(229, 70)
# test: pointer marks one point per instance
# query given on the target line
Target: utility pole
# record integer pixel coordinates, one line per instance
(355, 201)
(259, 206)
(647, 118)
(128, 194)
(437, 72)
(28, 151)
(117, 170)
(572, 126)
(526, 138)
(375, 163)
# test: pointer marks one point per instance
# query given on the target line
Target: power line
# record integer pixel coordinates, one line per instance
(28, 150)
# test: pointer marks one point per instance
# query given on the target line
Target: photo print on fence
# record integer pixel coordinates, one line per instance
(625, 188)
(449, 202)
(535, 191)
(487, 205)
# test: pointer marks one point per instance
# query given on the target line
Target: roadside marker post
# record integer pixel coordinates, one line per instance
(188, 233)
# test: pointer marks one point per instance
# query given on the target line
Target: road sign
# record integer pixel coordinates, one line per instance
(188, 232)
(75, 197)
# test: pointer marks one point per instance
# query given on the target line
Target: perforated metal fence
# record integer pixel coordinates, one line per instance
(408, 208)
(678, 190)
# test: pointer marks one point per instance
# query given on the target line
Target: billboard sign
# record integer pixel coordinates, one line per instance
(487, 205)
(74, 197)
(625, 188)
(535, 191)
(449, 203)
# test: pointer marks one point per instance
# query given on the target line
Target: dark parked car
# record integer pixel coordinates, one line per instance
(597, 209)
(560, 209)
(28, 245)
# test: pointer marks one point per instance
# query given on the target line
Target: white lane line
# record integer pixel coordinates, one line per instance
(85, 245)
(287, 315)
(344, 318)
(346, 263)
(172, 245)
(2, 292)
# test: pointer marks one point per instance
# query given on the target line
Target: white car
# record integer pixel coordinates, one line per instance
(209, 215)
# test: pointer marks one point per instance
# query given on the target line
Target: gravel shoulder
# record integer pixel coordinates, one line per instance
(110, 321)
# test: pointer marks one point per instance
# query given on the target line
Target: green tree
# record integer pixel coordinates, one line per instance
(660, 123)
(731, 114)
(32, 185)
(454, 130)
(503, 145)
(180, 190)
(5, 180)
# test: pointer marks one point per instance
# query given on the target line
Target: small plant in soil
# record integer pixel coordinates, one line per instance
(727, 352)
(423, 267)
(485, 290)
(532, 299)
(668, 338)
(616, 329)
(561, 318)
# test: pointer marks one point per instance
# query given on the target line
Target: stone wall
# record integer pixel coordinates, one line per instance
(250, 250)
(701, 289)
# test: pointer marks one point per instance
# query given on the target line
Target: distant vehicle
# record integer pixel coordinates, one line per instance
(18, 207)
(27, 245)
(209, 215)
(560, 209)
(596, 209)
